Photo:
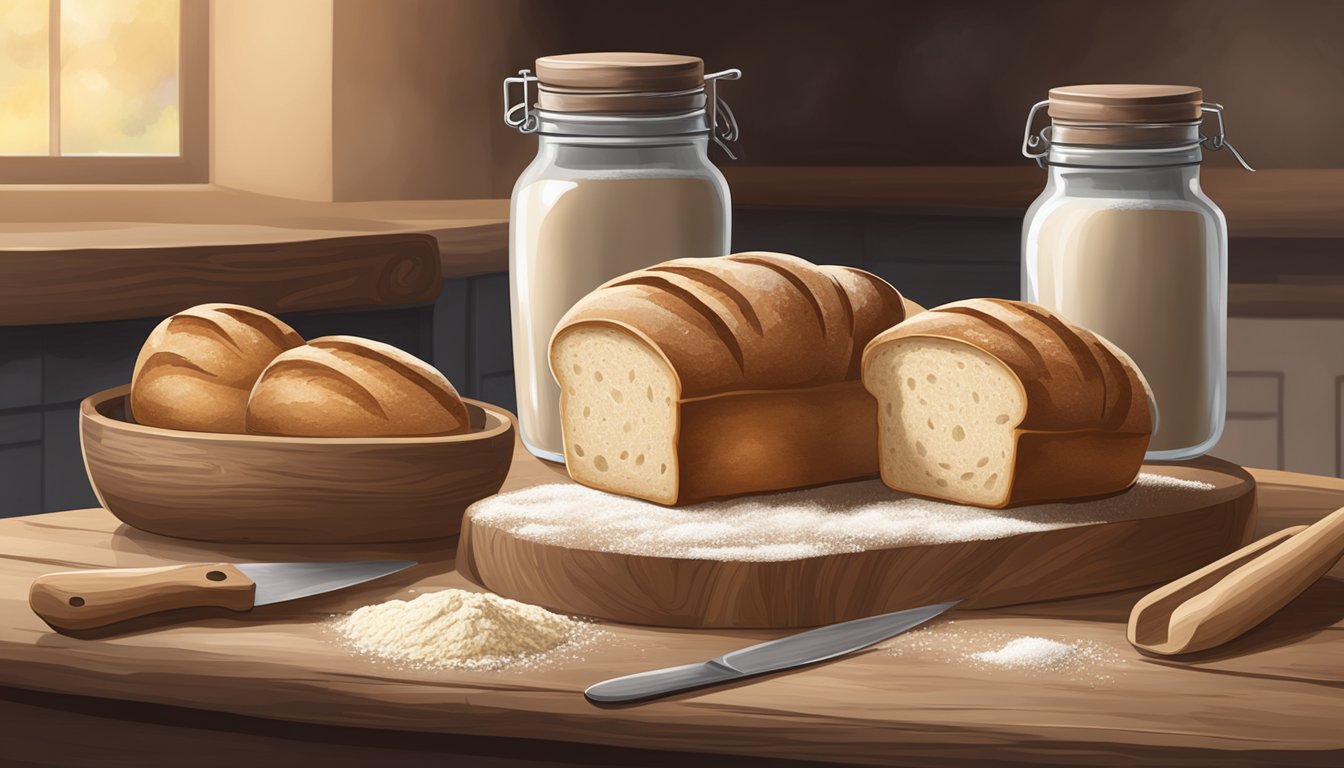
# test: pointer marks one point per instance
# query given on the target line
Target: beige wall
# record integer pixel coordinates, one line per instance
(271, 90)
(416, 83)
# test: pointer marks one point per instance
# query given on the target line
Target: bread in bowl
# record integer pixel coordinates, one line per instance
(344, 386)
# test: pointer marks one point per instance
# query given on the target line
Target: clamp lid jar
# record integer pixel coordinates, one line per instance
(1124, 242)
(621, 181)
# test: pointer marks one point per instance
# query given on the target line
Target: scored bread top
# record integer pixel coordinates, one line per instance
(1073, 378)
(228, 344)
(345, 386)
(746, 321)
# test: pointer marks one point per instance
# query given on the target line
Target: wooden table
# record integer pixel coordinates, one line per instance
(273, 687)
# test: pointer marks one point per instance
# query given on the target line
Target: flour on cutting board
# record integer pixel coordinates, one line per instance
(848, 517)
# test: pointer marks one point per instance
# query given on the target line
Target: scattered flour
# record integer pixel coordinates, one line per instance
(459, 629)
(848, 517)
(1030, 653)
(1084, 661)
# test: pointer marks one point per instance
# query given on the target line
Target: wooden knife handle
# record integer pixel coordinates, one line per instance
(80, 600)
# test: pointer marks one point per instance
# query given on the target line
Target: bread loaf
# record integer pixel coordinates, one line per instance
(197, 367)
(703, 378)
(343, 386)
(1000, 403)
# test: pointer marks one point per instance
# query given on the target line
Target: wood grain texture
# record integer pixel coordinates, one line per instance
(1162, 544)
(93, 284)
(224, 487)
(1270, 698)
(81, 600)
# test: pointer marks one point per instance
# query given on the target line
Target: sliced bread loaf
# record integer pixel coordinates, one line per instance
(703, 378)
(999, 403)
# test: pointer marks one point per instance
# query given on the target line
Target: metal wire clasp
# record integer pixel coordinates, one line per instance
(725, 131)
(1215, 143)
(1032, 140)
(529, 122)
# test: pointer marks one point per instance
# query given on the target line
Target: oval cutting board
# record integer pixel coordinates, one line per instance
(1168, 535)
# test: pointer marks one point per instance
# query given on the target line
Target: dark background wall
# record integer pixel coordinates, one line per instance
(844, 82)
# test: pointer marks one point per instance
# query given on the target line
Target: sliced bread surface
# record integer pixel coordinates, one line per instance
(1000, 403)
(949, 414)
(620, 426)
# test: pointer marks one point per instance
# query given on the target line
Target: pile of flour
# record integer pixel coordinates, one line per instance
(458, 629)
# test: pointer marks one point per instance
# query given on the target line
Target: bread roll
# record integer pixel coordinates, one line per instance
(703, 378)
(343, 386)
(1000, 403)
(197, 367)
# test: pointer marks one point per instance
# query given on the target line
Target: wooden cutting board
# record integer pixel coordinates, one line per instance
(1100, 550)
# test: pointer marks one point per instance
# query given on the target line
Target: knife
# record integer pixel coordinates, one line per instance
(78, 600)
(785, 653)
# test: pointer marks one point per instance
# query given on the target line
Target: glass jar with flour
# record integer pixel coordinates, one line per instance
(1123, 241)
(622, 180)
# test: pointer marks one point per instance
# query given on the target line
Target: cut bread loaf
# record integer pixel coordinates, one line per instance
(704, 378)
(999, 403)
(197, 367)
(343, 386)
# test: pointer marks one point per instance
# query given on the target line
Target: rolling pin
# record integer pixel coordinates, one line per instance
(1228, 598)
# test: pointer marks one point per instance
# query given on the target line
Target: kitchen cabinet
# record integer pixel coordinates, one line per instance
(1285, 394)
(275, 682)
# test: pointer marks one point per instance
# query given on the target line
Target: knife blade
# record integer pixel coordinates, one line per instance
(784, 653)
(80, 600)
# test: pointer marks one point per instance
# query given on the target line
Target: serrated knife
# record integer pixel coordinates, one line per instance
(785, 653)
(79, 600)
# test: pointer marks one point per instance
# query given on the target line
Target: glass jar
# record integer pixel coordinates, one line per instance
(1124, 242)
(621, 181)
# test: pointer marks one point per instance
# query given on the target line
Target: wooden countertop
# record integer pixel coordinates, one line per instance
(1273, 697)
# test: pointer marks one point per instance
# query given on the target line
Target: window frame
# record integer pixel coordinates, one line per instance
(190, 166)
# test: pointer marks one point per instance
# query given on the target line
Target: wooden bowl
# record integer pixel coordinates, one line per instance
(300, 490)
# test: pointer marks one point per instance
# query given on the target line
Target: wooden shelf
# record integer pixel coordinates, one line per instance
(71, 255)
(1270, 203)
(1286, 300)
(473, 235)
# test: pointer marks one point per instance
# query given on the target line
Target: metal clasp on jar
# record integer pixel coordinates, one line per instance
(719, 117)
(529, 122)
(1031, 140)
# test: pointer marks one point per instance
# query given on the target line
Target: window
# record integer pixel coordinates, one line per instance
(103, 91)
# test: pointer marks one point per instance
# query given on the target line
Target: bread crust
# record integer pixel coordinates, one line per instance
(345, 386)
(747, 321)
(197, 367)
(1088, 417)
(765, 349)
(1064, 369)
(789, 438)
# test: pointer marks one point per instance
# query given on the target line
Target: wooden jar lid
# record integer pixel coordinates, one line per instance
(1123, 103)
(619, 82)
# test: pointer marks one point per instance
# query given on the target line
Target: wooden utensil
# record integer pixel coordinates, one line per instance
(1229, 597)
(80, 600)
